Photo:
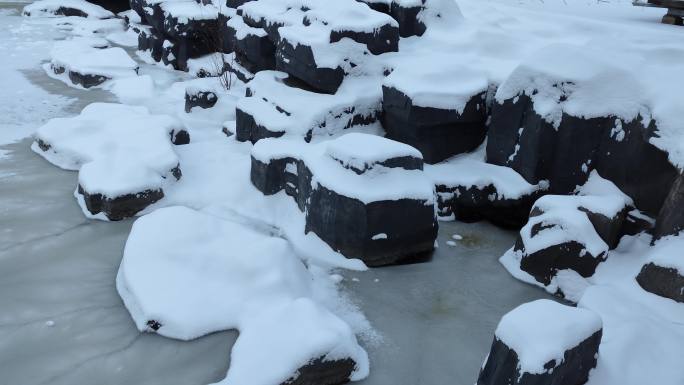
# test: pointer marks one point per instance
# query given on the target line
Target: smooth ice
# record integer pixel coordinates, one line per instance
(63, 323)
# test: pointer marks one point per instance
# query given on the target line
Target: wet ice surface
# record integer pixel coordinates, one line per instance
(62, 321)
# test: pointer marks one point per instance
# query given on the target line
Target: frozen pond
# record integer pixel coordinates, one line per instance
(62, 321)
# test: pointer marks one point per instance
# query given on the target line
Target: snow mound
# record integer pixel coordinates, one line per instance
(118, 149)
(89, 62)
(543, 330)
(185, 274)
(54, 8)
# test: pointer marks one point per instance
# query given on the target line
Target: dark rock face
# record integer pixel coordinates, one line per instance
(114, 6)
(565, 156)
(671, 217)
(299, 62)
(473, 204)
(321, 372)
(247, 129)
(409, 25)
(437, 133)
(381, 40)
(663, 281)
(201, 99)
(137, 6)
(347, 224)
(150, 40)
(226, 35)
(380, 6)
(502, 366)
(121, 207)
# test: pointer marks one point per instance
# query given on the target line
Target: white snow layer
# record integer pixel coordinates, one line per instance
(196, 274)
(543, 330)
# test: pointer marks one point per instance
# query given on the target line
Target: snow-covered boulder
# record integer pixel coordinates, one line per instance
(356, 191)
(331, 40)
(469, 189)
(185, 274)
(567, 110)
(89, 62)
(663, 274)
(276, 106)
(571, 232)
(543, 342)
(53, 8)
(436, 107)
(124, 155)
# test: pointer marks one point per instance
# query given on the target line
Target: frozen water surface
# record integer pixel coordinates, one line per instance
(62, 321)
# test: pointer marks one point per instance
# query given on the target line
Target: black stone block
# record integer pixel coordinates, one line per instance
(409, 24)
(565, 155)
(437, 133)
(253, 52)
(299, 62)
(347, 224)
